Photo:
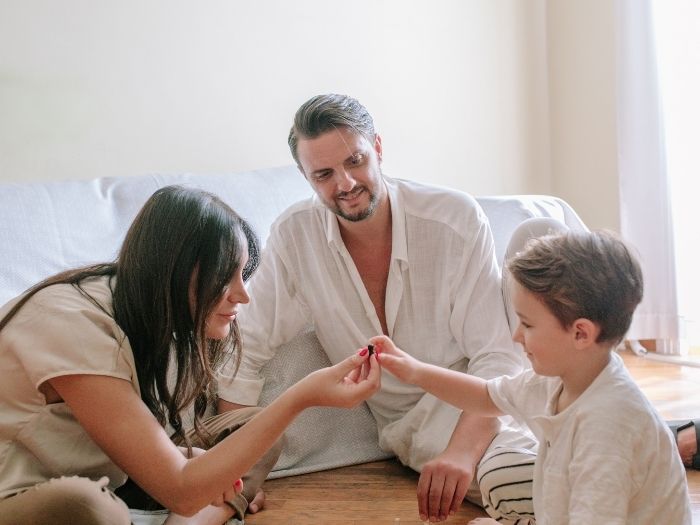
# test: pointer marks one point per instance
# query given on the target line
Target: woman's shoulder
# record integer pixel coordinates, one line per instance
(66, 307)
(90, 293)
(64, 328)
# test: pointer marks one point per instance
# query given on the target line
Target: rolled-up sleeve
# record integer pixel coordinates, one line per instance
(478, 321)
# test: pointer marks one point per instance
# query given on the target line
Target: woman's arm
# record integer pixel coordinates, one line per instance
(123, 427)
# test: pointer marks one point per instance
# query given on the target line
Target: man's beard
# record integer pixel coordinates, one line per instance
(361, 215)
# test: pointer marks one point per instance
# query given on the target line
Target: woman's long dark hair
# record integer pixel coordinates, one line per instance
(179, 233)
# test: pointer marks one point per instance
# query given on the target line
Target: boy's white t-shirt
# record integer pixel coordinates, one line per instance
(608, 458)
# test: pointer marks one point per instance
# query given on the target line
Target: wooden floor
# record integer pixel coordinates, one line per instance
(383, 493)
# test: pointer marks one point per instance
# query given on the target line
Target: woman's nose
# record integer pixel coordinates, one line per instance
(238, 294)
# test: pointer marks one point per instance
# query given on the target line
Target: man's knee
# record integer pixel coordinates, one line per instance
(257, 475)
(226, 424)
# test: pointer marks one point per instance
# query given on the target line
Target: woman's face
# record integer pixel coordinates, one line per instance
(223, 313)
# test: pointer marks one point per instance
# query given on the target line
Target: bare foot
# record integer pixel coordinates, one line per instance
(687, 445)
(483, 521)
(258, 502)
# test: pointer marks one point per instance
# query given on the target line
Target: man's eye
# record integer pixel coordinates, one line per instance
(356, 159)
(323, 175)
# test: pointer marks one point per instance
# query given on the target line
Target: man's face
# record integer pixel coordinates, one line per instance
(343, 168)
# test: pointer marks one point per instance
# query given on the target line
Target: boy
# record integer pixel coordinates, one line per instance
(605, 455)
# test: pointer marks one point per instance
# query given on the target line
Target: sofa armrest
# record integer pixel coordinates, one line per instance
(506, 212)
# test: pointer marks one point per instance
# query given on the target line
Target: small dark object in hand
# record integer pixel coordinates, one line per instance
(371, 349)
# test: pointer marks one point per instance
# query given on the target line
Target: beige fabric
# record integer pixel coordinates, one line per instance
(65, 501)
(58, 332)
(219, 426)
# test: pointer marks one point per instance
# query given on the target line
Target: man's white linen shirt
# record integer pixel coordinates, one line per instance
(443, 297)
(607, 458)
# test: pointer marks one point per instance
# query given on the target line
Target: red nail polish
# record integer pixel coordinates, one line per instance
(363, 352)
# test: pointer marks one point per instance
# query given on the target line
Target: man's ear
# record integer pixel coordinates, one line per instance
(585, 332)
(378, 146)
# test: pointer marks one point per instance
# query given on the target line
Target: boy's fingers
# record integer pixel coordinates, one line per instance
(378, 340)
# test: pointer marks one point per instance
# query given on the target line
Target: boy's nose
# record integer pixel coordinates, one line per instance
(517, 335)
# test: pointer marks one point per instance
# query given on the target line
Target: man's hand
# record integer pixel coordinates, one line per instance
(445, 480)
(443, 484)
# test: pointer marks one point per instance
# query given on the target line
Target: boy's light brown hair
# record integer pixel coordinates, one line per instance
(591, 275)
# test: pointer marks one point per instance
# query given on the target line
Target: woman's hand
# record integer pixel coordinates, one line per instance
(344, 385)
(230, 494)
(396, 361)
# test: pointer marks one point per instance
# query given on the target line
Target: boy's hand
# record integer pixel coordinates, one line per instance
(396, 361)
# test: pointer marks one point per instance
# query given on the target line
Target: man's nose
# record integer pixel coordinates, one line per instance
(346, 182)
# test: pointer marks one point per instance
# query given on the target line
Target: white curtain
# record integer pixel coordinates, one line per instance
(677, 36)
(646, 216)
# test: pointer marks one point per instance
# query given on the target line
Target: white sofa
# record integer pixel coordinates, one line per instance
(48, 227)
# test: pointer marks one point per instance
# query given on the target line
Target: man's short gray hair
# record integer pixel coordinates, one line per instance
(324, 113)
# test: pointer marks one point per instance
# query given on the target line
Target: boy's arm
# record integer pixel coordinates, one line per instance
(464, 391)
(461, 390)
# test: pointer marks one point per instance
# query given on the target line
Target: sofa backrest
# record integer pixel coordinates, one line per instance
(48, 227)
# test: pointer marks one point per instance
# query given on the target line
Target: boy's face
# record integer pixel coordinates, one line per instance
(547, 344)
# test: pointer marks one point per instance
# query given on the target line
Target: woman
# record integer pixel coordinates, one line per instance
(97, 361)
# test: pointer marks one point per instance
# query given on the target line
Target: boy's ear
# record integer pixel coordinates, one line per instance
(585, 332)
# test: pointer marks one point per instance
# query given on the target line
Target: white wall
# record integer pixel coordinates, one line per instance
(582, 103)
(460, 89)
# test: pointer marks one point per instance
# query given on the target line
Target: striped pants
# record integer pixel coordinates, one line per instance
(503, 481)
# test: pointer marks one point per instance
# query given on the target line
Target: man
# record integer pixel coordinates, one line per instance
(371, 255)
